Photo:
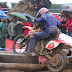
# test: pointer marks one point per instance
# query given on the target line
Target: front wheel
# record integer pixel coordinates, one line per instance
(19, 47)
(58, 62)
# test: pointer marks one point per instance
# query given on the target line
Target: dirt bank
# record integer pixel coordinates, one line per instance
(23, 7)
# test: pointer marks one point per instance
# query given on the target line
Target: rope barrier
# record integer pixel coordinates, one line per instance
(56, 9)
(49, 9)
(5, 48)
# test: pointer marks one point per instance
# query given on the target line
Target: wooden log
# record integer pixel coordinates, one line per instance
(22, 67)
(7, 57)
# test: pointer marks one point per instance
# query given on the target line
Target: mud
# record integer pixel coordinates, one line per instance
(23, 7)
(68, 68)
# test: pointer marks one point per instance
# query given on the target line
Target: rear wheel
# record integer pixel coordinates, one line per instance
(19, 47)
(58, 62)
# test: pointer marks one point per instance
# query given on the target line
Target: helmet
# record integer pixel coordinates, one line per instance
(42, 11)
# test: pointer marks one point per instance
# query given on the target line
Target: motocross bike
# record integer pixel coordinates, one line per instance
(49, 48)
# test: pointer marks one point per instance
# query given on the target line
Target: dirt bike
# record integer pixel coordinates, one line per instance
(49, 48)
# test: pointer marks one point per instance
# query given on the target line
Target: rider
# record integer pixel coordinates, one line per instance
(47, 21)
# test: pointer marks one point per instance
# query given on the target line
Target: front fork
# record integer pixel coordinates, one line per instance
(24, 39)
(48, 56)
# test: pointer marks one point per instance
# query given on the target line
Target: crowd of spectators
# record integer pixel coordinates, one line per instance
(66, 23)
(10, 29)
(3, 5)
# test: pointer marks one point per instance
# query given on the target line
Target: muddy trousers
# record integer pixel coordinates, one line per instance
(37, 36)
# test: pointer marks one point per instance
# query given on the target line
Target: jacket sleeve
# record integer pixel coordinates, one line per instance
(9, 29)
(1, 28)
(67, 24)
(58, 22)
(40, 20)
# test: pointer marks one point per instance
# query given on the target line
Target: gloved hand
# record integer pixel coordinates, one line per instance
(33, 19)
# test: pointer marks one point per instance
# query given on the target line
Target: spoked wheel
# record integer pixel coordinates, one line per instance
(58, 61)
(19, 47)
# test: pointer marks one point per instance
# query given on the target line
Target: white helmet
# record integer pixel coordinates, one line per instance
(42, 11)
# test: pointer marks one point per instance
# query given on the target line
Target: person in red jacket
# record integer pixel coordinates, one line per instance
(0, 7)
(27, 24)
(69, 25)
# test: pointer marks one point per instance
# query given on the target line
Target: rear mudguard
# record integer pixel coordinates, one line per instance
(54, 43)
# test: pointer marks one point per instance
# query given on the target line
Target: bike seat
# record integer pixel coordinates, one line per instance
(50, 37)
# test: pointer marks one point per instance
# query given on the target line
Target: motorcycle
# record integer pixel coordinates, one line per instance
(49, 48)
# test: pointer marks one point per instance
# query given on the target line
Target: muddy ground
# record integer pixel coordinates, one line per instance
(68, 68)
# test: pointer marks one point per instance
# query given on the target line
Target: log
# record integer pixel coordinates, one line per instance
(22, 67)
(9, 57)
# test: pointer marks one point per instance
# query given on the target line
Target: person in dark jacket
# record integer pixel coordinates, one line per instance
(63, 25)
(4, 31)
(18, 28)
(10, 28)
(41, 4)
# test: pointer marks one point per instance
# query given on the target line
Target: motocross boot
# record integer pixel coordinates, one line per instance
(28, 53)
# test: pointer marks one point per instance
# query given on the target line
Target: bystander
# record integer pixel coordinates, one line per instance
(18, 28)
(4, 31)
(69, 25)
(63, 25)
(10, 28)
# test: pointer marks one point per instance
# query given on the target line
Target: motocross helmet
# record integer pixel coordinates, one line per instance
(42, 11)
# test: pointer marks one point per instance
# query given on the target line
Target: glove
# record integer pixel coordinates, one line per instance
(34, 19)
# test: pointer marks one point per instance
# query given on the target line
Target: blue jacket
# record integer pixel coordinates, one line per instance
(50, 20)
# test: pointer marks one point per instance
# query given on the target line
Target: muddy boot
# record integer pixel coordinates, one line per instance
(25, 52)
(28, 53)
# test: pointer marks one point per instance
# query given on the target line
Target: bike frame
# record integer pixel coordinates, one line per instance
(60, 39)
